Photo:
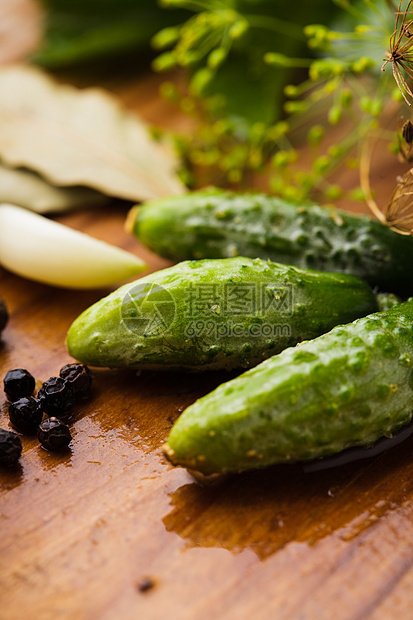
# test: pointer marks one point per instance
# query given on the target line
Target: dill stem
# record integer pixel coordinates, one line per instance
(267, 22)
(365, 159)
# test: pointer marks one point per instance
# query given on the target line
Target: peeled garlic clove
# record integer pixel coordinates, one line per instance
(40, 249)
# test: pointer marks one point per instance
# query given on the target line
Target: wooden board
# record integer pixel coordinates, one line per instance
(81, 532)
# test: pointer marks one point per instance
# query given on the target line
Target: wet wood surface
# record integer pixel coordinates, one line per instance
(111, 530)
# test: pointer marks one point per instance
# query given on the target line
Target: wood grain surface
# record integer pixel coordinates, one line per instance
(84, 534)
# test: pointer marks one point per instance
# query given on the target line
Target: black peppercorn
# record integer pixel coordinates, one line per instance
(10, 447)
(18, 383)
(26, 414)
(56, 396)
(79, 377)
(53, 434)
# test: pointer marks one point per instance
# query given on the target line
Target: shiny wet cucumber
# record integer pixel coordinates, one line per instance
(215, 314)
(214, 223)
(346, 388)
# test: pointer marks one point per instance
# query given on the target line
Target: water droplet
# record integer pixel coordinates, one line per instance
(359, 362)
(386, 345)
(318, 369)
(371, 324)
(213, 351)
(346, 394)
(304, 356)
(401, 331)
(246, 347)
(301, 239)
(405, 360)
(216, 309)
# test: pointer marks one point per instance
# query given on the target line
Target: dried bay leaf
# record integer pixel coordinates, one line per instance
(29, 190)
(80, 137)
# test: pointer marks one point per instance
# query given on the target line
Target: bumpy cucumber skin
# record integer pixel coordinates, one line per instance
(214, 224)
(346, 388)
(101, 335)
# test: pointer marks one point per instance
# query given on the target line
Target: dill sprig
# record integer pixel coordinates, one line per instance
(400, 54)
(344, 93)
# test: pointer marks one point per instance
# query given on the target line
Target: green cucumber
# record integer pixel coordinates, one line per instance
(215, 314)
(215, 223)
(346, 388)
